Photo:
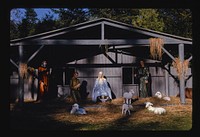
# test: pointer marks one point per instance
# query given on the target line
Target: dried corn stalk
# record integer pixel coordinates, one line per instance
(23, 70)
(185, 65)
(156, 48)
(181, 67)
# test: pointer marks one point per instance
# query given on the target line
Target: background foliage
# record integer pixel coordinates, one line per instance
(173, 21)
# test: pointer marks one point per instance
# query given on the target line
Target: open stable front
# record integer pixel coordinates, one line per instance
(105, 45)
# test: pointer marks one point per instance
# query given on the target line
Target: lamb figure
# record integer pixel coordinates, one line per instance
(126, 108)
(156, 110)
(160, 96)
(77, 110)
(128, 96)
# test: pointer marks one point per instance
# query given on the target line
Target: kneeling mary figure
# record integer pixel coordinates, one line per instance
(101, 89)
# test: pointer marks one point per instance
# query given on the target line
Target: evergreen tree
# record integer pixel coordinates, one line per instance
(27, 27)
(14, 33)
(124, 15)
(172, 21)
(177, 21)
(145, 18)
(47, 23)
(148, 18)
(15, 17)
(70, 16)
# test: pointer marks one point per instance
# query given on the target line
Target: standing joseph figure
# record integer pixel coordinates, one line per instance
(75, 87)
(143, 74)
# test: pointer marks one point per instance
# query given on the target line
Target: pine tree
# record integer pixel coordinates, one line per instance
(27, 27)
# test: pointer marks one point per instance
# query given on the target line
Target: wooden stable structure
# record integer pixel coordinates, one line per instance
(103, 45)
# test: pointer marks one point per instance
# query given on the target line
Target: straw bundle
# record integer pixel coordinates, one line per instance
(23, 70)
(181, 67)
(156, 48)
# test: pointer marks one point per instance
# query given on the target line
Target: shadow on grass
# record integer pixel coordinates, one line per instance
(37, 116)
(40, 116)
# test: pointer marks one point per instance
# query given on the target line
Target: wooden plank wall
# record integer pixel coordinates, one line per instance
(114, 77)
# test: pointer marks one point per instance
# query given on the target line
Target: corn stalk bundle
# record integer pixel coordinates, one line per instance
(181, 67)
(185, 65)
(156, 48)
(23, 70)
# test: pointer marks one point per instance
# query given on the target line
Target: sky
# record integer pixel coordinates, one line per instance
(40, 12)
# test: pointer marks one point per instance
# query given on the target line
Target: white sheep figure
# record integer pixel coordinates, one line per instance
(128, 96)
(156, 110)
(77, 110)
(126, 108)
(159, 95)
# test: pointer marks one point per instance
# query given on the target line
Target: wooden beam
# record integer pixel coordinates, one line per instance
(87, 42)
(14, 63)
(190, 58)
(121, 46)
(121, 52)
(83, 42)
(108, 57)
(121, 56)
(65, 30)
(170, 74)
(188, 77)
(182, 79)
(34, 54)
(111, 65)
(170, 55)
(116, 54)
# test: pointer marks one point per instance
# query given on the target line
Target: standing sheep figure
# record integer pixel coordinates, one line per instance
(128, 96)
(126, 108)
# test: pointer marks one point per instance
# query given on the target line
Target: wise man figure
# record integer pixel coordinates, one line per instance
(43, 79)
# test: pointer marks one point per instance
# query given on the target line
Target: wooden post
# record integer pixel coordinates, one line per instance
(64, 76)
(182, 79)
(21, 78)
(166, 81)
(121, 56)
(102, 31)
(116, 55)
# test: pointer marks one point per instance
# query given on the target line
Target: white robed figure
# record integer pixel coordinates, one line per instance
(101, 89)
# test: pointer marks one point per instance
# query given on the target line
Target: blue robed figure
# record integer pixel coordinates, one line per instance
(101, 89)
